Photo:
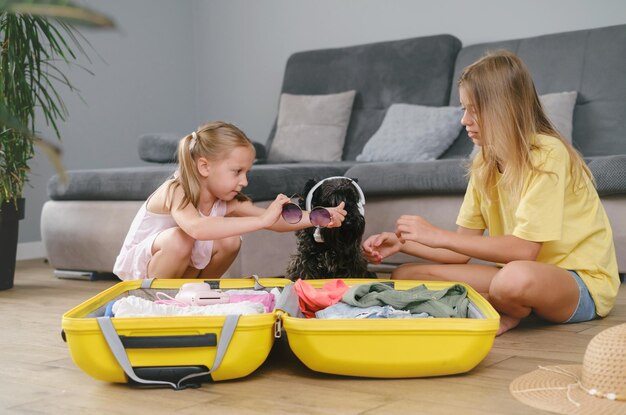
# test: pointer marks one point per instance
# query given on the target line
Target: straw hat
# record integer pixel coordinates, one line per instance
(596, 387)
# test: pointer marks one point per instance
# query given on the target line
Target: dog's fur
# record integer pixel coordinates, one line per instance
(339, 256)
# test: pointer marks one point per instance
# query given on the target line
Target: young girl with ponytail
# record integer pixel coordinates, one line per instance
(191, 226)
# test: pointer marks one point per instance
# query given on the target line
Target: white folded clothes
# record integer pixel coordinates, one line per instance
(133, 306)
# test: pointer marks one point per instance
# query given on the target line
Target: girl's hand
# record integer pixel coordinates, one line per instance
(418, 229)
(273, 211)
(337, 215)
(378, 247)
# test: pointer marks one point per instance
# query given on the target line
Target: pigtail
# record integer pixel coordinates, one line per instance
(186, 176)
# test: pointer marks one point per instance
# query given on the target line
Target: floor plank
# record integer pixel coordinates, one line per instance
(39, 376)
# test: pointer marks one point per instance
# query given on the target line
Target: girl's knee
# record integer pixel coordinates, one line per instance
(227, 246)
(402, 272)
(512, 282)
(178, 243)
(415, 272)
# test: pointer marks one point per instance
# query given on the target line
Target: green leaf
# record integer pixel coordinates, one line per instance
(35, 37)
(61, 10)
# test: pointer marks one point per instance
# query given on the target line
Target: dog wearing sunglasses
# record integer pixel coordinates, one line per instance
(331, 252)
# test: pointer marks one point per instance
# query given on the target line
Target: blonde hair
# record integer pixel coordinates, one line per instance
(212, 141)
(509, 114)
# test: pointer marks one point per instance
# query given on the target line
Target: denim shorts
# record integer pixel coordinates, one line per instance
(586, 308)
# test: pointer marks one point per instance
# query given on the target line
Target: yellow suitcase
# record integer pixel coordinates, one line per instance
(395, 348)
(184, 351)
(170, 351)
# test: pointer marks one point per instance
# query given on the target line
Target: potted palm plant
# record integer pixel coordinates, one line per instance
(35, 37)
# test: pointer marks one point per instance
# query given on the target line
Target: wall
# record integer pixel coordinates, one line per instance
(245, 44)
(142, 81)
(173, 65)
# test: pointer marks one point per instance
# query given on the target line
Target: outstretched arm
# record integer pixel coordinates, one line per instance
(215, 227)
(338, 214)
(467, 242)
(378, 247)
(441, 255)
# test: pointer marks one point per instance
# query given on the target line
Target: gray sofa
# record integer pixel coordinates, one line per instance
(84, 224)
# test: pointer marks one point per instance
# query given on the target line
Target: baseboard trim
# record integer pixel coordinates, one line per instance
(30, 250)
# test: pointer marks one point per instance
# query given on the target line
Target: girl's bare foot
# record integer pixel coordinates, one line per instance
(507, 323)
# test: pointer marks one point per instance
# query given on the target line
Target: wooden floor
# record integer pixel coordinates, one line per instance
(38, 376)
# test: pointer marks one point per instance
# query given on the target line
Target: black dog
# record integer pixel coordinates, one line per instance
(337, 254)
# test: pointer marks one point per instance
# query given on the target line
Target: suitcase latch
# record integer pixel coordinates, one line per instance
(278, 327)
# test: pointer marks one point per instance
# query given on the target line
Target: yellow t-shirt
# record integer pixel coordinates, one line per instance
(572, 225)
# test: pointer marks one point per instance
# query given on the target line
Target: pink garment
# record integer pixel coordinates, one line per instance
(314, 299)
(268, 300)
(136, 252)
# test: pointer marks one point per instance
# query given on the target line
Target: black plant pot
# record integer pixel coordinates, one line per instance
(10, 215)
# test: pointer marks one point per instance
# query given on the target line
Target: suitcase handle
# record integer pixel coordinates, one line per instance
(119, 352)
(161, 342)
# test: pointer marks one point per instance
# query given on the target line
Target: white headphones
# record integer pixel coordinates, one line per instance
(360, 204)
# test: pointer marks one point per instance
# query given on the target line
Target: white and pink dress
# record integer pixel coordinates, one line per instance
(136, 253)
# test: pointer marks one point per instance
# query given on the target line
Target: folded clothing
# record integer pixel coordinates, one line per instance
(200, 294)
(312, 299)
(133, 306)
(267, 299)
(449, 302)
(343, 310)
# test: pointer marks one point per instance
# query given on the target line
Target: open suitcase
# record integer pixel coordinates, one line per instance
(184, 351)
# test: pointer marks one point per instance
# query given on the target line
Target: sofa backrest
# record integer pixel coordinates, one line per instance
(413, 71)
(591, 62)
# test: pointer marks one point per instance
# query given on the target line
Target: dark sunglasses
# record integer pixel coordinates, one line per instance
(292, 213)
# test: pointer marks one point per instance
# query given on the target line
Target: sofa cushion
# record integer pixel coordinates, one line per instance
(162, 148)
(265, 181)
(448, 176)
(609, 173)
(412, 71)
(591, 62)
(559, 108)
(311, 127)
(159, 147)
(425, 177)
(130, 183)
(413, 133)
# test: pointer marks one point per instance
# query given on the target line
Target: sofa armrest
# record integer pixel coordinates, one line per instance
(261, 153)
(159, 147)
(162, 147)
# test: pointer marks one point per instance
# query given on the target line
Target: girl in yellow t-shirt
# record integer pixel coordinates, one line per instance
(547, 230)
